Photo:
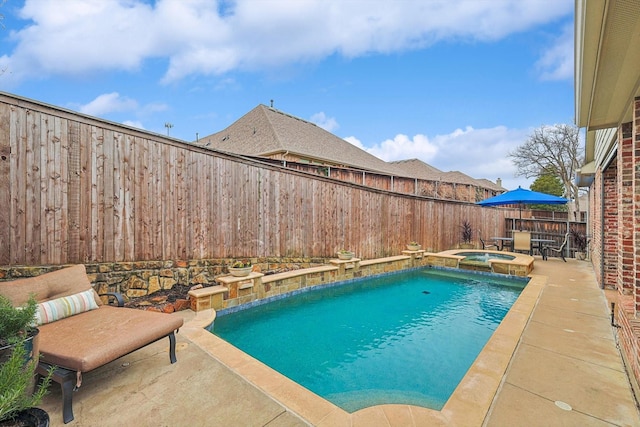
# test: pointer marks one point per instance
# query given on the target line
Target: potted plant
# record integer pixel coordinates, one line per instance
(344, 254)
(467, 235)
(580, 243)
(241, 268)
(18, 362)
(413, 246)
(16, 326)
(18, 405)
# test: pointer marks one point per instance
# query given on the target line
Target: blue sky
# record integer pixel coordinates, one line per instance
(455, 83)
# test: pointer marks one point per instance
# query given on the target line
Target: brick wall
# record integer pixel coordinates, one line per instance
(628, 238)
(595, 226)
(635, 137)
(628, 333)
(609, 227)
(625, 185)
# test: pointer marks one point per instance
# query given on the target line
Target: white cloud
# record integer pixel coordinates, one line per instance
(134, 123)
(397, 148)
(108, 103)
(327, 123)
(557, 62)
(479, 153)
(113, 106)
(355, 141)
(75, 37)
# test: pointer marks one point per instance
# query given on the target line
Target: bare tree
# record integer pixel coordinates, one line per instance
(551, 149)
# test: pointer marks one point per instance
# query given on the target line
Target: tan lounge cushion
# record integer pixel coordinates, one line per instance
(48, 286)
(91, 339)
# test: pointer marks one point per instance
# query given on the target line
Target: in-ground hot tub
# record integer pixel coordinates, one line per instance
(483, 260)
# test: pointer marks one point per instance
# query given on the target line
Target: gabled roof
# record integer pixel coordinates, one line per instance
(265, 131)
(491, 185)
(418, 169)
(458, 177)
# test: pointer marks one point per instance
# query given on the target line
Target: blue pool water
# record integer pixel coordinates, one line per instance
(483, 256)
(405, 338)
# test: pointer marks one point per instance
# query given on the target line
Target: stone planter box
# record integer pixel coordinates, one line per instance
(240, 271)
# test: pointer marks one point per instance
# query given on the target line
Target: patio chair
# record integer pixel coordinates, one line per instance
(522, 241)
(559, 251)
(489, 244)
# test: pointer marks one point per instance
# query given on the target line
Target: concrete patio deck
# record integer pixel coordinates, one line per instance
(566, 370)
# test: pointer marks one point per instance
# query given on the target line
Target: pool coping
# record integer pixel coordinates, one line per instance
(521, 264)
(468, 405)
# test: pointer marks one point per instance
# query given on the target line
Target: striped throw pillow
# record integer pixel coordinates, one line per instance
(59, 308)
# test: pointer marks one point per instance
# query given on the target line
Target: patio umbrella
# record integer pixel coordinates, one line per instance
(522, 196)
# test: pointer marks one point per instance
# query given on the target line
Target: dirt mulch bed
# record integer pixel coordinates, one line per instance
(177, 298)
(164, 300)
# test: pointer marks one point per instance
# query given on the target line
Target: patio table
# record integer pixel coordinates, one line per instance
(535, 243)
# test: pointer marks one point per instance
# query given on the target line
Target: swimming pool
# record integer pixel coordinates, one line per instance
(404, 338)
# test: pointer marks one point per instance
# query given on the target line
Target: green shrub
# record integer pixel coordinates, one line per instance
(15, 322)
(16, 380)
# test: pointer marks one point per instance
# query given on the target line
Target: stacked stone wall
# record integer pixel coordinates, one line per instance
(138, 279)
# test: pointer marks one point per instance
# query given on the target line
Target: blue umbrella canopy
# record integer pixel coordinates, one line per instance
(523, 196)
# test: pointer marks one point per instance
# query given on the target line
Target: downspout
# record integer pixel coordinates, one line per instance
(602, 232)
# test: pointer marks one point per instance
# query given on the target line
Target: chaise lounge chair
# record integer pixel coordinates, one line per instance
(79, 333)
(489, 244)
(559, 251)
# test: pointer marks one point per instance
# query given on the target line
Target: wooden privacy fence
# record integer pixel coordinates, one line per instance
(417, 186)
(75, 189)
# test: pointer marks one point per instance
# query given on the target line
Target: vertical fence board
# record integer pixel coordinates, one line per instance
(18, 190)
(5, 184)
(129, 195)
(168, 201)
(155, 196)
(73, 196)
(141, 201)
(85, 196)
(110, 204)
(62, 191)
(47, 162)
(63, 208)
(97, 194)
(32, 203)
(118, 195)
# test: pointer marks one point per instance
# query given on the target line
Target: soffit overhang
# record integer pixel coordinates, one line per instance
(607, 61)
